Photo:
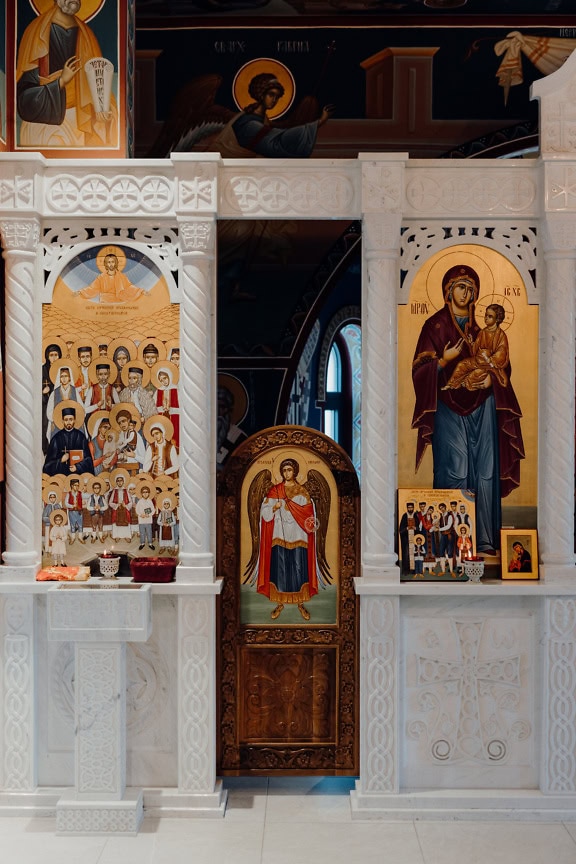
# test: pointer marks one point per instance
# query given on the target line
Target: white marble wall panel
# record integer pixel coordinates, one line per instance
(469, 693)
(151, 704)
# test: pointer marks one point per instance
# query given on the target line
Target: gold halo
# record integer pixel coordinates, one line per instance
(59, 512)
(68, 403)
(235, 386)
(449, 259)
(86, 477)
(158, 483)
(254, 67)
(158, 344)
(419, 538)
(88, 10)
(487, 300)
(54, 340)
(128, 344)
(138, 364)
(158, 420)
(299, 456)
(100, 361)
(68, 364)
(168, 481)
(463, 526)
(167, 366)
(117, 473)
(50, 488)
(95, 419)
(124, 406)
(71, 478)
(172, 345)
(104, 476)
(103, 251)
(96, 479)
(81, 343)
(142, 481)
(166, 495)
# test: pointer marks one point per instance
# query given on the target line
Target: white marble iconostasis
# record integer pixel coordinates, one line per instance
(468, 692)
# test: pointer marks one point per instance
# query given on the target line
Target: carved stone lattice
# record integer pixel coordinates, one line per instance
(100, 717)
(518, 243)
(380, 621)
(294, 650)
(560, 762)
(196, 771)
(60, 243)
(18, 695)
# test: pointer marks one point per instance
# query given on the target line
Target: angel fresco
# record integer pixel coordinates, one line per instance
(288, 524)
(196, 122)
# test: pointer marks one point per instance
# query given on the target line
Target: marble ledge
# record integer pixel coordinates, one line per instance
(8, 586)
(551, 584)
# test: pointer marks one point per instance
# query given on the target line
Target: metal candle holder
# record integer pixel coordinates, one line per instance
(109, 565)
(473, 568)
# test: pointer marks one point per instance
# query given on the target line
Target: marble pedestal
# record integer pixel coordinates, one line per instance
(100, 623)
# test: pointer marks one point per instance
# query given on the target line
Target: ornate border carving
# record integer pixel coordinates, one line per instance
(342, 758)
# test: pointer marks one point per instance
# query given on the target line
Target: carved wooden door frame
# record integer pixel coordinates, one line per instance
(336, 750)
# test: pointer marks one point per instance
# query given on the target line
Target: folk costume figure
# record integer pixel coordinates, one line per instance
(288, 524)
(475, 433)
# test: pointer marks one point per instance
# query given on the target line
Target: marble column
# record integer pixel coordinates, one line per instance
(557, 371)
(381, 206)
(197, 400)
(22, 555)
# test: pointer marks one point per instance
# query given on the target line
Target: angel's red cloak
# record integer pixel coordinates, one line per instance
(287, 571)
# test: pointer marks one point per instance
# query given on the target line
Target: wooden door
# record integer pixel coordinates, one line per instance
(288, 550)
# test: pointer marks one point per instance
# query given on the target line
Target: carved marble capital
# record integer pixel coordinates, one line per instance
(198, 235)
(20, 235)
(559, 235)
(381, 234)
(382, 187)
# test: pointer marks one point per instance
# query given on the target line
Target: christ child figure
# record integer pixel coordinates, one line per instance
(490, 355)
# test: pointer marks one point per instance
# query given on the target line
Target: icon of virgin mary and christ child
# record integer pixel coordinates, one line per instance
(288, 522)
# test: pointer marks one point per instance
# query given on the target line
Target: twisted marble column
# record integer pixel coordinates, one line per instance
(22, 400)
(197, 406)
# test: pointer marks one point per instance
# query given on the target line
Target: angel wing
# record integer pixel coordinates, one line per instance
(193, 116)
(256, 494)
(319, 492)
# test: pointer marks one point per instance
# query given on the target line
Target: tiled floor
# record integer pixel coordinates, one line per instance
(293, 821)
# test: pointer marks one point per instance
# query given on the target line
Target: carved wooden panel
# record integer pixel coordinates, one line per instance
(288, 692)
(289, 695)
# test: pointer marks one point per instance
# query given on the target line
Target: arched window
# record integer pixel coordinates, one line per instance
(343, 388)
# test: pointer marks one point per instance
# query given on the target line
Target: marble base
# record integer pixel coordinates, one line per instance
(474, 804)
(171, 803)
(78, 815)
